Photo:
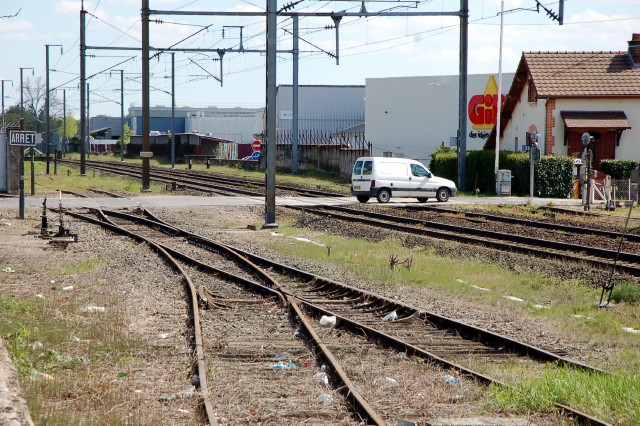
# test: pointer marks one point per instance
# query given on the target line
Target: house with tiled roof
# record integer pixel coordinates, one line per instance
(561, 95)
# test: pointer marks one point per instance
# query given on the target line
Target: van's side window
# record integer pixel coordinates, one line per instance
(419, 171)
(368, 166)
(357, 169)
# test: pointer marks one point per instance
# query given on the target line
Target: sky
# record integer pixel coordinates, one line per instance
(369, 47)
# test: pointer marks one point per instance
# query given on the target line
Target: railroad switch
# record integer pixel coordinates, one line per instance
(62, 235)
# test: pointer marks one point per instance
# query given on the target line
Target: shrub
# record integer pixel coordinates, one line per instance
(627, 292)
(618, 169)
(444, 163)
(553, 175)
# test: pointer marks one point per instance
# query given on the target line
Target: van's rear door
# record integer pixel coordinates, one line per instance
(361, 177)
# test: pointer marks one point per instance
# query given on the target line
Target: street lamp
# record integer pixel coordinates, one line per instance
(47, 96)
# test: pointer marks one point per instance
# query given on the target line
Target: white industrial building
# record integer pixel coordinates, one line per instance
(412, 116)
(324, 109)
(234, 124)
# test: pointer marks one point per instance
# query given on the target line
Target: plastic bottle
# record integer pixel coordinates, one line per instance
(322, 378)
(325, 398)
(451, 379)
(391, 317)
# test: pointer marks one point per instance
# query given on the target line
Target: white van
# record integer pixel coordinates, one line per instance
(386, 177)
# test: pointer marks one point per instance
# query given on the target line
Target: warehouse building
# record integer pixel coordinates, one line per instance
(412, 117)
(235, 124)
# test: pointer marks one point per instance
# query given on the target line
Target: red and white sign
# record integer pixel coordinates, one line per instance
(256, 145)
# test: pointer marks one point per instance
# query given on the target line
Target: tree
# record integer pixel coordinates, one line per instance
(71, 127)
(34, 109)
(127, 133)
(126, 136)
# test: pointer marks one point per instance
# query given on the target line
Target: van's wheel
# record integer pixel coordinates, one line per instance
(384, 195)
(363, 198)
(443, 194)
(422, 199)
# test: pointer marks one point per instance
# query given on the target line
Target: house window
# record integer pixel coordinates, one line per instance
(387, 154)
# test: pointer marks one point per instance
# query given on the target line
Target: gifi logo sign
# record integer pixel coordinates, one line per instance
(483, 109)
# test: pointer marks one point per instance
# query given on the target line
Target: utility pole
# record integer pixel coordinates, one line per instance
(121, 113)
(173, 109)
(33, 181)
(499, 106)
(146, 150)
(83, 77)
(462, 95)
(294, 127)
(3, 81)
(64, 119)
(270, 190)
(21, 90)
(88, 121)
(47, 100)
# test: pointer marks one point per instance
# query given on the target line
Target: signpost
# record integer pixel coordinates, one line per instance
(256, 145)
(22, 139)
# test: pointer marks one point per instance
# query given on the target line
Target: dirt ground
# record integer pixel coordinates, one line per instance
(106, 276)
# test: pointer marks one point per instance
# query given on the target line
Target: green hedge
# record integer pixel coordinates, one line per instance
(553, 175)
(618, 169)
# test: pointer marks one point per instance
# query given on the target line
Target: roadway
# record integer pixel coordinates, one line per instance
(150, 201)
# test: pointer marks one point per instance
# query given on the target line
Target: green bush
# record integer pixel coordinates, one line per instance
(444, 163)
(626, 292)
(480, 171)
(618, 169)
(553, 175)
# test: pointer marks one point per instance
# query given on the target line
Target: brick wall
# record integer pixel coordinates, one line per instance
(550, 139)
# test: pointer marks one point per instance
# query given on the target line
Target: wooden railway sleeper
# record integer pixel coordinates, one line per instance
(346, 387)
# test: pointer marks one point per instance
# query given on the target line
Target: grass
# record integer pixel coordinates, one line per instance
(316, 179)
(82, 356)
(614, 398)
(77, 267)
(570, 304)
(69, 179)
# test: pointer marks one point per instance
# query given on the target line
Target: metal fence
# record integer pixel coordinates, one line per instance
(319, 137)
(624, 190)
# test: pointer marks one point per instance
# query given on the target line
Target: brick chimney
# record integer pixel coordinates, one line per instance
(634, 49)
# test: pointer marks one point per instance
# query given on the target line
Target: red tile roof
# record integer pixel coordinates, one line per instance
(578, 74)
(595, 119)
(570, 75)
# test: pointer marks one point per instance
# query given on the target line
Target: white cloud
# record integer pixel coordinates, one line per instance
(13, 26)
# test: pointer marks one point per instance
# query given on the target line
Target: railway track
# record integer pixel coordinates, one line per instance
(599, 258)
(199, 181)
(390, 324)
(527, 223)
